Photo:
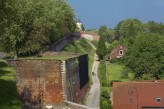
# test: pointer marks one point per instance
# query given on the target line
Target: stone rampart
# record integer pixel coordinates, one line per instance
(59, 45)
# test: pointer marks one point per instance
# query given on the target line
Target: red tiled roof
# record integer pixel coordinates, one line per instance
(130, 95)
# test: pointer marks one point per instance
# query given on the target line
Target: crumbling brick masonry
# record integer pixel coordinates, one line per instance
(50, 81)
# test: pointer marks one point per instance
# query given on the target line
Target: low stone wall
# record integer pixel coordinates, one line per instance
(76, 106)
(59, 45)
(90, 36)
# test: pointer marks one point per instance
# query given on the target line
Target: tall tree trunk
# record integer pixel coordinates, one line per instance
(16, 51)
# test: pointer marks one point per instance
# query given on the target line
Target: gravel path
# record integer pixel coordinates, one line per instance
(94, 94)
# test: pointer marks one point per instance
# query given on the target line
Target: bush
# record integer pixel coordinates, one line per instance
(125, 72)
(105, 92)
(104, 100)
(105, 103)
(102, 73)
(104, 83)
(117, 60)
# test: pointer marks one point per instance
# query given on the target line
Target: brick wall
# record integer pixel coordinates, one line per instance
(45, 81)
(39, 82)
(74, 92)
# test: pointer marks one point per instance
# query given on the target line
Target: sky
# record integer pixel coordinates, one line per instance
(95, 13)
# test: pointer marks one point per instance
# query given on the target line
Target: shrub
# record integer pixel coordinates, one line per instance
(125, 72)
(105, 92)
(117, 60)
(105, 103)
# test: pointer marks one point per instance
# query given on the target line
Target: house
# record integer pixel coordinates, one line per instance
(79, 25)
(117, 52)
(138, 95)
(52, 79)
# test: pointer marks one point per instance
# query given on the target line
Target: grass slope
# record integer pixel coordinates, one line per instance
(8, 93)
(82, 46)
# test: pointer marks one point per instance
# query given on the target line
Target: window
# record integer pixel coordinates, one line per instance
(121, 52)
(158, 99)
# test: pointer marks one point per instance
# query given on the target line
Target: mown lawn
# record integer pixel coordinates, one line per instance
(115, 72)
(8, 93)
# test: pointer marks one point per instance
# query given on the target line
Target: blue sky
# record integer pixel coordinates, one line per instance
(94, 13)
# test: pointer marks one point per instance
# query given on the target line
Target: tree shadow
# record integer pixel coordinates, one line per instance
(8, 95)
(3, 64)
(3, 71)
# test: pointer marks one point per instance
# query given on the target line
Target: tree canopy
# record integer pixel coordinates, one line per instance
(105, 33)
(27, 26)
(101, 49)
(146, 56)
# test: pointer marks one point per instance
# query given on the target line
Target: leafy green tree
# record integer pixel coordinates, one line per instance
(128, 30)
(27, 26)
(101, 49)
(146, 56)
(104, 32)
(154, 27)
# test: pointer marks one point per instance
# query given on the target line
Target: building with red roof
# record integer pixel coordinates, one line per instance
(138, 95)
(117, 52)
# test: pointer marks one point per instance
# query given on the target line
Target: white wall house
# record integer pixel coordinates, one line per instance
(79, 25)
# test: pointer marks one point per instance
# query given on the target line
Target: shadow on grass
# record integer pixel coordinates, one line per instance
(3, 71)
(8, 95)
(3, 64)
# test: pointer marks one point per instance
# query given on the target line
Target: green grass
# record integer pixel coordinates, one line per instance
(81, 46)
(95, 43)
(49, 57)
(8, 93)
(115, 72)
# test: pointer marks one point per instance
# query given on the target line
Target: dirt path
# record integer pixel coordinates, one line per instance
(94, 93)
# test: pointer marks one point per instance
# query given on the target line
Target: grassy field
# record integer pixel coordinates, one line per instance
(115, 72)
(8, 93)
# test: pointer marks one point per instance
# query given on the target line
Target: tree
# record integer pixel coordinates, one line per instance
(26, 26)
(146, 56)
(128, 30)
(101, 48)
(104, 32)
(154, 27)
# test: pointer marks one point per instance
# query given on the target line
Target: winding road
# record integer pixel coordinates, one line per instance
(93, 100)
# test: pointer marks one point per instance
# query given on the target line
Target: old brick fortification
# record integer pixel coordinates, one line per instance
(49, 81)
